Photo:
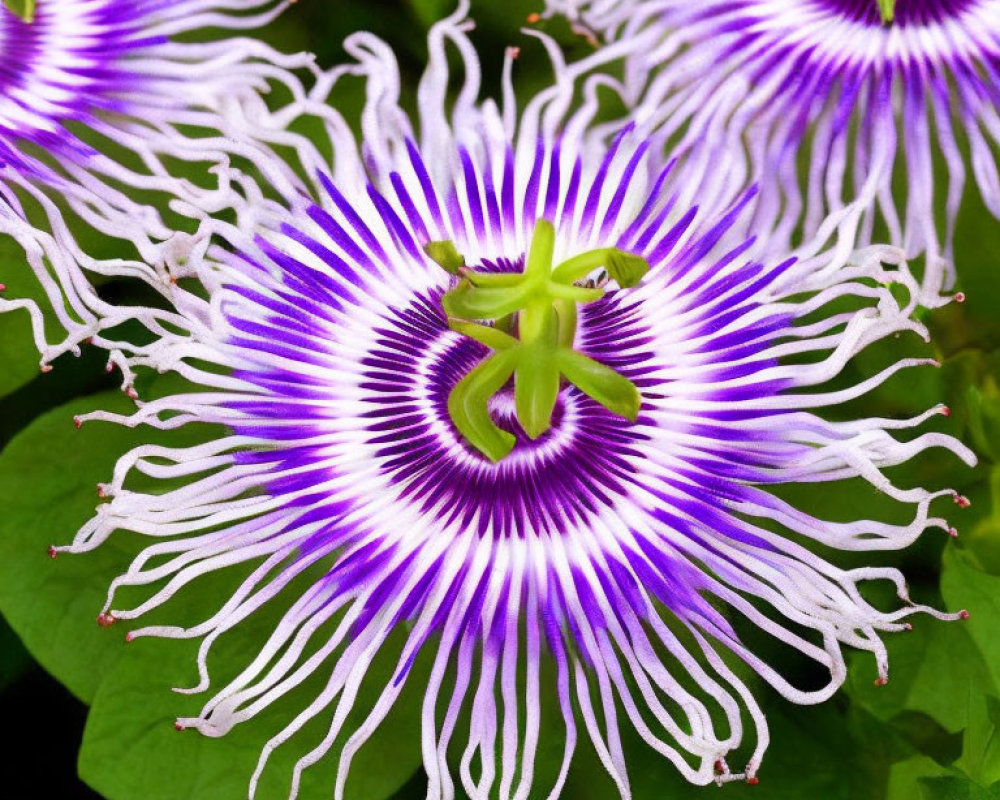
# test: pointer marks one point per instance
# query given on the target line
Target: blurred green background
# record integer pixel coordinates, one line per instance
(932, 733)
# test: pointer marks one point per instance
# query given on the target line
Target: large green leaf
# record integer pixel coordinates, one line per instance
(981, 747)
(966, 587)
(50, 472)
(430, 11)
(905, 777)
(18, 355)
(954, 787)
(131, 750)
(932, 670)
(827, 752)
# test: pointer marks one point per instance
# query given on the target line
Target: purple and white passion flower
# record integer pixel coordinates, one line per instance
(868, 94)
(81, 60)
(120, 71)
(100, 100)
(516, 403)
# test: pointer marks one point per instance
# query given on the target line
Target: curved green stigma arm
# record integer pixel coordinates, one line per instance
(540, 303)
(887, 8)
(25, 9)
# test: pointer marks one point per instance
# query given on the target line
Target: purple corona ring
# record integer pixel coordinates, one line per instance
(602, 546)
(874, 99)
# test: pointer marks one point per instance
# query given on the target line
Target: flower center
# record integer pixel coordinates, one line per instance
(582, 465)
(534, 315)
(899, 12)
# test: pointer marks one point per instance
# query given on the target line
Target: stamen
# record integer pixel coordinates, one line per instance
(887, 8)
(541, 305)
(25, 9)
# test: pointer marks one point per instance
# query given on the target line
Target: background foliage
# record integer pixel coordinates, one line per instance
(932, 733)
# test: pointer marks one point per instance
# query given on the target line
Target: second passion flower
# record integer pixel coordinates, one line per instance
(824, 101)
(626, 496)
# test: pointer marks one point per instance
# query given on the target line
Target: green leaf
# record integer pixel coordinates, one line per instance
(18, 354)
(981, 747)
(131, 749)
(980, 537)
(983, 408)
(905, 777)
(932, 669)
(50, 472)
(431, 11)
(25, 9)
(822, 752)
(965, 587)
(953, 787)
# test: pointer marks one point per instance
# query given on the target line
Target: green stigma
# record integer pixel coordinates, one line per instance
(25, 9)
(887, 8)
(532, 338)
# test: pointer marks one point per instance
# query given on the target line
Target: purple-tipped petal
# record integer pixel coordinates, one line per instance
(768, 85)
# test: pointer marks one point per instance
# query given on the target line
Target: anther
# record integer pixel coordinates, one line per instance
(129, 637)
(46, 368)
(179, 727)
(881, 680)
(945, 411)
(959, 297)
(132, 393)
(962, 501)
(53, 553)
(753, 780)
(963, 614)
(105, 620)
(534, 18)
(953, 533)
(77, 422)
